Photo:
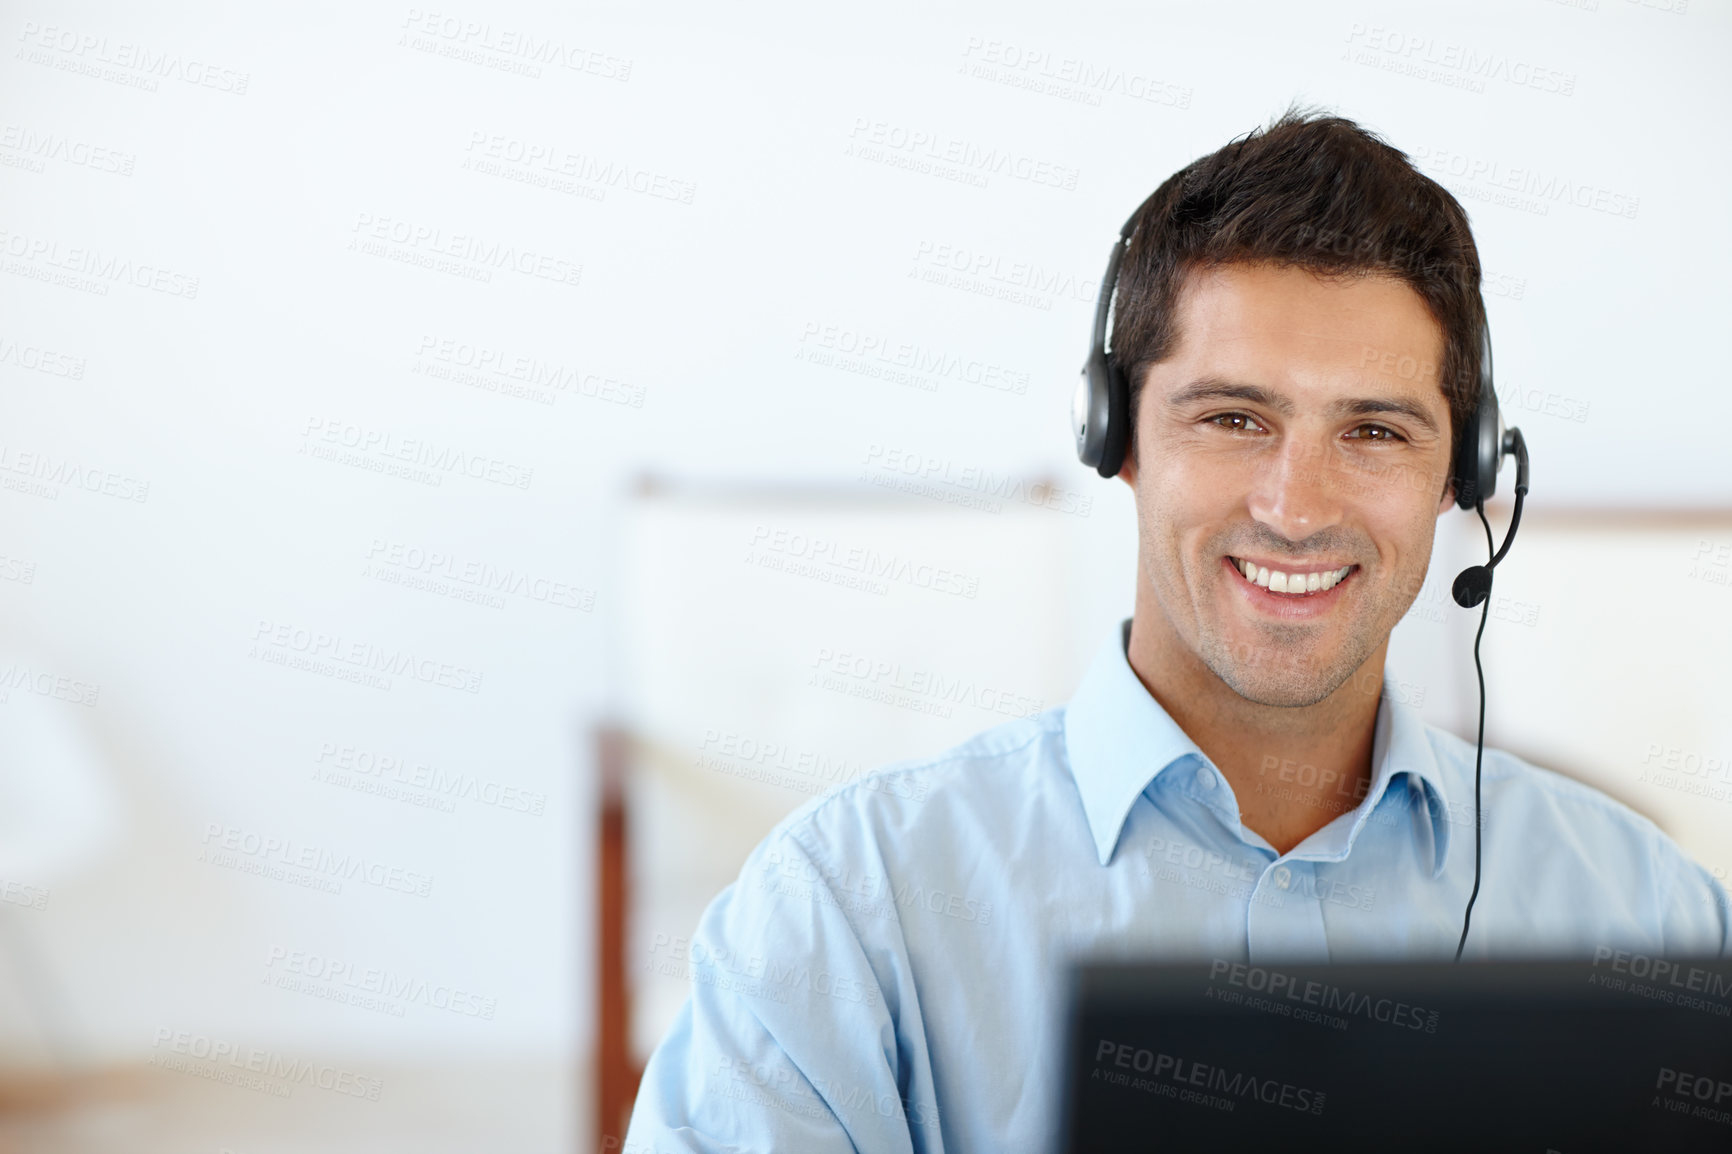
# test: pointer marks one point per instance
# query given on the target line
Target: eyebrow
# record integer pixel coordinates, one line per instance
(1217, 388)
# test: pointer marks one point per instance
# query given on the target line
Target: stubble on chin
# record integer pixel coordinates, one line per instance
(1284, 672)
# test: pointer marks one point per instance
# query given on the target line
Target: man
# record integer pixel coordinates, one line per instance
(1299, 316)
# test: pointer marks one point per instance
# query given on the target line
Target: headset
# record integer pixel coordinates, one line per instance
(1100, 421)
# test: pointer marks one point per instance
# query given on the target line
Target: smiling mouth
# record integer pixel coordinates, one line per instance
(1292, 584)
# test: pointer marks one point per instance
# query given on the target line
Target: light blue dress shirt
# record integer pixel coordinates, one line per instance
(886, 973)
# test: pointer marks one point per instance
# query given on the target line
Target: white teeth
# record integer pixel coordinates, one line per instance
(1277, 581)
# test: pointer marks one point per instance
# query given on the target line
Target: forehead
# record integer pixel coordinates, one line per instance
(1289, 327)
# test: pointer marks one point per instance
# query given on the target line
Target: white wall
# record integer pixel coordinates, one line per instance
(166, 510)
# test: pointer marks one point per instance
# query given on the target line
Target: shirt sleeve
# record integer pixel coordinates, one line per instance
(787, 1041)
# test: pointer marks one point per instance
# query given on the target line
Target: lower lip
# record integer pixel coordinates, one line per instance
(1289, 606)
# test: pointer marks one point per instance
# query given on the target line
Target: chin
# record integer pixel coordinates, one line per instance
(1279, 677)
(1281, 693)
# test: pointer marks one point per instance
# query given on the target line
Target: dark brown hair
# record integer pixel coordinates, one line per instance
(1317, 192)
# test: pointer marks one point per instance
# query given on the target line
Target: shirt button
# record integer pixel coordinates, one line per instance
(1282, 877)
(1206, 778)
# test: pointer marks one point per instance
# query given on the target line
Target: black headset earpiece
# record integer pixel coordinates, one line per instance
(1477, 459)
(1100, 411)
(1479, 452)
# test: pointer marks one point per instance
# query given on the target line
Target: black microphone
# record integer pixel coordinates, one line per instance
(1473, 584)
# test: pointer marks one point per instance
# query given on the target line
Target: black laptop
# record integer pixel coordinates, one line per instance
(1622, 1052)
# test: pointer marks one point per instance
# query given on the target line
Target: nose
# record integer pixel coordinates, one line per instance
(1296, 490)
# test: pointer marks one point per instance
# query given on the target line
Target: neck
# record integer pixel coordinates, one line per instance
(1294, 769)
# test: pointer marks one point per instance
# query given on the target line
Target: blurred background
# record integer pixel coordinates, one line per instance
(455, 463)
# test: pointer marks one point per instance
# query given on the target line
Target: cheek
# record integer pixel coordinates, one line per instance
(1193, 493)
(1180, 520)
(1404, 540)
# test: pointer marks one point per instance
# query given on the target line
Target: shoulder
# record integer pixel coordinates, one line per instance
(1566, 833)
(928, 823)
(997, 769)
(1545, 804)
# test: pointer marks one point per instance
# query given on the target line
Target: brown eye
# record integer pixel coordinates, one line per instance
(1375, 433)
(1238, 422)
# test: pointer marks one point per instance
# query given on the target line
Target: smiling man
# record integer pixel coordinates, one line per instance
(1299, 319)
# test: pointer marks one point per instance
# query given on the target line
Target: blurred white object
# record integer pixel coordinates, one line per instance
(58, 809)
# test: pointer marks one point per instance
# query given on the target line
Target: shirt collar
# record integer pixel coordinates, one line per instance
(1119, 740)
(1401, 747)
